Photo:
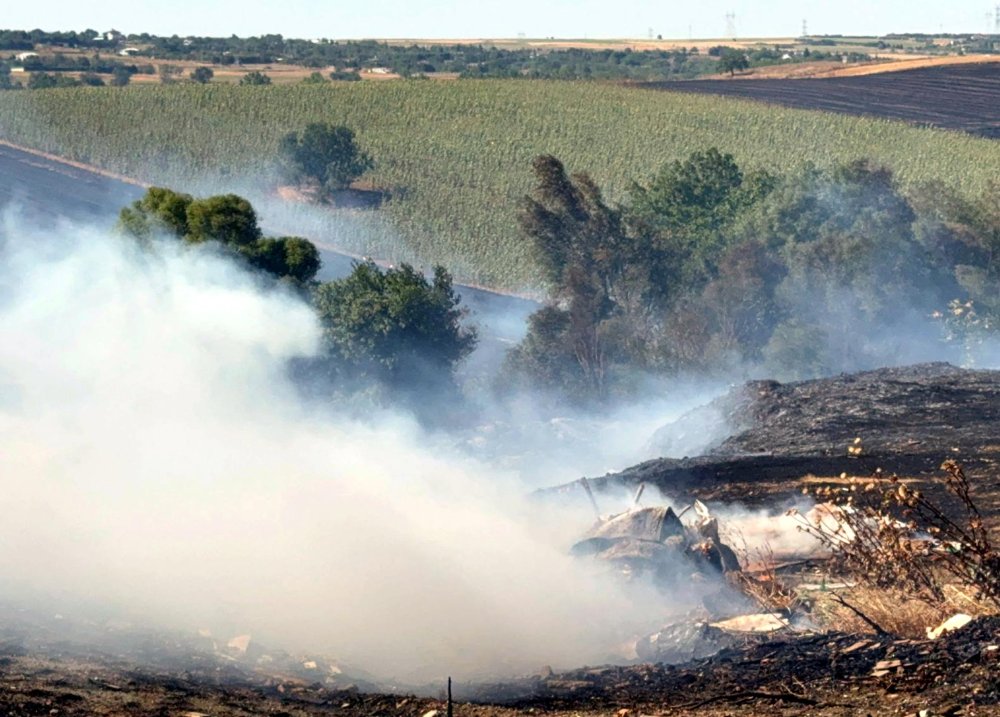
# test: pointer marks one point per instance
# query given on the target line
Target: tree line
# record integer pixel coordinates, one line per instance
(349, 57)
(391, 335)
(706, 268)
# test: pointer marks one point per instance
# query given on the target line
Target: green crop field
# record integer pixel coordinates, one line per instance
(457, 155)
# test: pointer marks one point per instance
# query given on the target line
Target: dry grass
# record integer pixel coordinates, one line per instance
(894, 611)
(833, 68)
(910, 63)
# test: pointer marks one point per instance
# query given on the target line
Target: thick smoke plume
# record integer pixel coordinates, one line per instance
(156, 462)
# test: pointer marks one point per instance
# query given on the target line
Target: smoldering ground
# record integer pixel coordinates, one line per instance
(157, 462)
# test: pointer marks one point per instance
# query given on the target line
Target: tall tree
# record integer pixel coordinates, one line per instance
(395, 326)
(324, 156)
(684, 212)
(121, 76)
(160, 210)
(581, 246)
(731, 60)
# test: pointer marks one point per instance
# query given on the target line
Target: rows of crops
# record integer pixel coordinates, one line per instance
(457, 154)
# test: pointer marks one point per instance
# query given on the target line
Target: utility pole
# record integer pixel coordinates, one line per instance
(731, 25)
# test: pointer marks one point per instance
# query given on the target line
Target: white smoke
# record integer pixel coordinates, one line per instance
(156, 461)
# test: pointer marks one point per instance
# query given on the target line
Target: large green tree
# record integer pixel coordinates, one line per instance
(580, 243)
(324, 156)
(227, 219)
(683, 215)
(6, 83)
(292, 257)
(121, 76)
(731, 60)
(395, 326)
(158, 211)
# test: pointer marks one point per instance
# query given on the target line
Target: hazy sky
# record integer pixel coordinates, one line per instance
(502, 18)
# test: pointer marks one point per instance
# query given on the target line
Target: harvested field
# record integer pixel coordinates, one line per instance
(959, 97)
(912, 62)
(835, 68)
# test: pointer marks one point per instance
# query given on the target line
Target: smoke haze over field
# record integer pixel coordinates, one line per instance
(157, 463)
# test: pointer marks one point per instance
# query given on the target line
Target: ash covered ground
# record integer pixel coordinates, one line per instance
(908, 419)
(783, 437)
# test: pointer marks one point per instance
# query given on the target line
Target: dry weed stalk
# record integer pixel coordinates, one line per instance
(764, 586)
(874, 534)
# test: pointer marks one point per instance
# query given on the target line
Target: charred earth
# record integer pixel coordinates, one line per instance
(780, 438)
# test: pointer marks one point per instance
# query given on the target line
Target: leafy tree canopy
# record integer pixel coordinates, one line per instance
(228, 219)
(314, 78)
(324, 155)
(202, 75)
(581, 245)
(684, 212)
(731, 60)
(292, 257)
(160, 210)
(395, 325)
(255, 78)
(570, 227)
(121, 76)
(708, 267)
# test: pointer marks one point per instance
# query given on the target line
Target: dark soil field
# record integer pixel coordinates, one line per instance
(963, 97)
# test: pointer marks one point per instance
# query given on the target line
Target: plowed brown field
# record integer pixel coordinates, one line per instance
(961, 97)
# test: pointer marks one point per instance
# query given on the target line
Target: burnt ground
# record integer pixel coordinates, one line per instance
(783, 436)
(826, 674)
(960, 97)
